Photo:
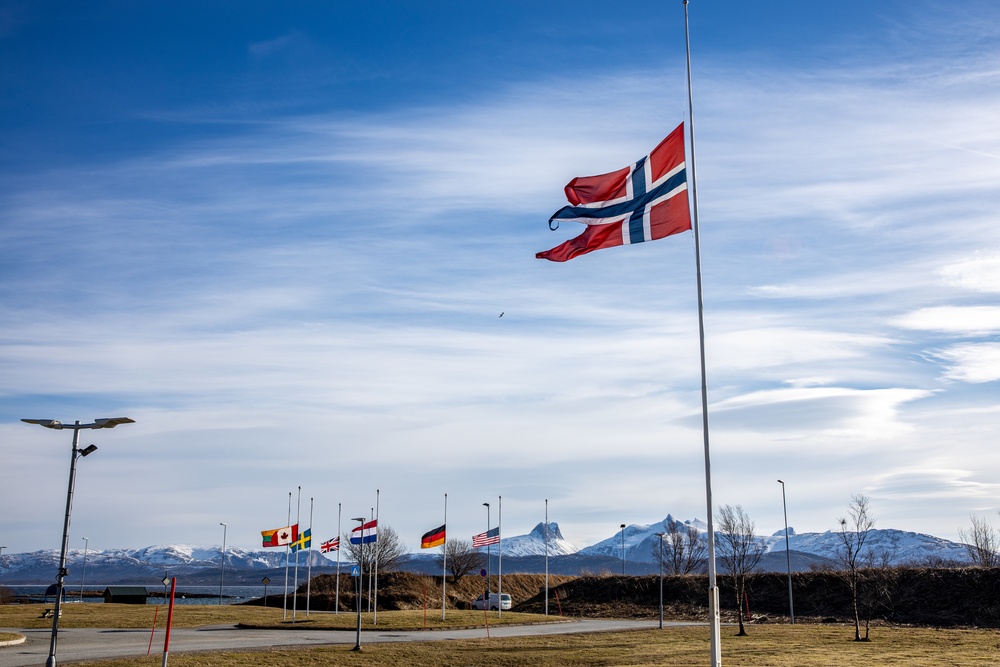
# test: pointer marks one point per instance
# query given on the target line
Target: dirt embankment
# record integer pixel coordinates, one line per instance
(918, 596)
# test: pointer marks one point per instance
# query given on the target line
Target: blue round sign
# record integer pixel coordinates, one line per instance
(482, 573)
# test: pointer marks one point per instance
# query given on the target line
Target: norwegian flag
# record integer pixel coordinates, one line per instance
(330, 545)
(644, 202)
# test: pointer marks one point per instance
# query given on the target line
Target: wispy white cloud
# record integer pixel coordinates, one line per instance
(972, 362)
(969, 320)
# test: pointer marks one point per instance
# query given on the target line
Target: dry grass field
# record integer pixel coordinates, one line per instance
(129, 616)
(767, 646)
(771, 645)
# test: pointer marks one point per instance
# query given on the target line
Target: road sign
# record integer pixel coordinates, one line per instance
(355, 571)
(482, 573)
(265, 581)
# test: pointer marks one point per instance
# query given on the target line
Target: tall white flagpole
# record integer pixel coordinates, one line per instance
(336, 603)
(295, 586)
(309, 565)
(284, 603)
(713, 590)
(444, 560)
(375, 601)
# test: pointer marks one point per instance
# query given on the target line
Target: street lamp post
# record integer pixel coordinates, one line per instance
(660, 560)
(623, 549)
(357, 581)
(222, 578)
(83, 578)
(76, 453)
(788, 557)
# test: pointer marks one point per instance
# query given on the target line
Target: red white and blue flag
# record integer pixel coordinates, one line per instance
(643, 202)
(330, 545)
(365, 534)
(491, 536)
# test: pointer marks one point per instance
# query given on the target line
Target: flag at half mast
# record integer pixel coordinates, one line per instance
(303, 542)
(330, 545)
(366, 533)
(642, 202)
(491, 536)
(280, 537)
(433, 538)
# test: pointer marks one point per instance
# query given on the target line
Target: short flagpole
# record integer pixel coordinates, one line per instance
(336, 604)
(713, 591)
(375, 601)
(309, 567)
(444, 560)
(284, 603)
(499, 556)
(546, 556)
(295, 586)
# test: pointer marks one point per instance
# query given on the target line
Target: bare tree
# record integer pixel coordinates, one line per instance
(740, 550)
(462, 559)
(682, 551)
(388, 551)
(981, 542)
(854, 552)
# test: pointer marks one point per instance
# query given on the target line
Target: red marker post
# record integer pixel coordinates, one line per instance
(170, 619)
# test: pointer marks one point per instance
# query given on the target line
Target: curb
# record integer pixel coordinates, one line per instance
(14, 642)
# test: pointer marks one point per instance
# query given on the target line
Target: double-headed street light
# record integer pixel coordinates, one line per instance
(76, 453)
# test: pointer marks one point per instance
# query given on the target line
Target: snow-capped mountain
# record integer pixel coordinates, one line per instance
(898, 545)
(901, 547)
(640, 541)
(533, 544)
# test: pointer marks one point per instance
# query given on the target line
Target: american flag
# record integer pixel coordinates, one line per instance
(330, 545)
(491, 536)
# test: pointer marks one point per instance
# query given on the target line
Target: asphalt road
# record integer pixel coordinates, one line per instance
(95, 643)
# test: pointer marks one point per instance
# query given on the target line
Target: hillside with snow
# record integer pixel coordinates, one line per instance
(637, 544)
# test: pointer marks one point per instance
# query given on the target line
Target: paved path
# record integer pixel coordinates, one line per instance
(95, 643)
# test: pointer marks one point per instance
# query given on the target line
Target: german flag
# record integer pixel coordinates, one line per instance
(432, 538)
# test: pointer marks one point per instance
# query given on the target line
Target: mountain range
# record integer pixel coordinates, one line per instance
(634, 547)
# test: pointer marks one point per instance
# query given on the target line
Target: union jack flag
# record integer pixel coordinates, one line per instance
(643, 202)
(330, 545)
(491, 536)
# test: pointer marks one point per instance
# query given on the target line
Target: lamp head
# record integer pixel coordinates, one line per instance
(47, 423)
(111, 422)
(89, 449)
(780, 482)
(361, 519)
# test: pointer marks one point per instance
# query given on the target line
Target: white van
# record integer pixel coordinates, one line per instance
(499, 601)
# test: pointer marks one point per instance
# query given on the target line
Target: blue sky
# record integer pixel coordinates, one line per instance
(280, 235)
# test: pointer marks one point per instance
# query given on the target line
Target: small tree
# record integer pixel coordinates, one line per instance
(462, 559)
(683, 551)
(981, 542)
(387, 551)
(854, 553)
(740, 551)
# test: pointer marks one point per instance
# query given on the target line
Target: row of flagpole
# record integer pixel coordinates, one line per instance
(295, 542)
